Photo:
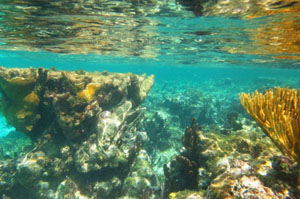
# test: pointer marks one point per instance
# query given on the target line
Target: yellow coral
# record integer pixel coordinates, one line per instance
(278, 114)
(26, 109)
(186, 194)
(29, 127)
(22, 114)
(89, 92)
(172, 195)
(32, 98)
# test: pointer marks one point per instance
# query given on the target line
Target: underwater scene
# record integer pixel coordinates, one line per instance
(149, 99)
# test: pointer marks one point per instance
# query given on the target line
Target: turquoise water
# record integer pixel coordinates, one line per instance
(212, 58)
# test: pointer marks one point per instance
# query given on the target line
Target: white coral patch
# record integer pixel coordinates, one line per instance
(251, 182)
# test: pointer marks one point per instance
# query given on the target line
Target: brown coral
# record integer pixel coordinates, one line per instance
(84, 124)
(277, 112)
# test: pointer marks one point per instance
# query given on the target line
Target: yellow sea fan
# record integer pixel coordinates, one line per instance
(277, 112)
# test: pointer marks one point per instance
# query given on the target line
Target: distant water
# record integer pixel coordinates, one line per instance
(172, 78)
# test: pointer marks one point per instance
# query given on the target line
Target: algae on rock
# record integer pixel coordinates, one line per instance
(84, 130)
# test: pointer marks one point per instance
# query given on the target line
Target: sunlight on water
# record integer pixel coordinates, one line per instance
(156, 30)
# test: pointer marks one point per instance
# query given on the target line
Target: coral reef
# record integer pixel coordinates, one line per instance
(84, 132)
(171, 105)
(89, 140)
(191, 103)
(13, 145)
(169, 111)
(20, 98)
(186, 164)
(244, 164)
(213, 102)
(278, 114)
(163, 132)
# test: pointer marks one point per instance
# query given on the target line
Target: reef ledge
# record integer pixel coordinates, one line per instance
(84, 132)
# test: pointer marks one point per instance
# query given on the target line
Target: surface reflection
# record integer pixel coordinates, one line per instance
(274, 24)
(155, 29)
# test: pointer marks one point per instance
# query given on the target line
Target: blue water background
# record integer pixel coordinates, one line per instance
(162, 71)
(191, 75)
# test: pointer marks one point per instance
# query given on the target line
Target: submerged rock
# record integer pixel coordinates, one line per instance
(32, 99)
(83, 128)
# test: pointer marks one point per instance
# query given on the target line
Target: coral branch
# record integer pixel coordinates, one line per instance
(277, 113)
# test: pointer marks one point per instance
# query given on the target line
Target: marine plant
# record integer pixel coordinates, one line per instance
(277, 112)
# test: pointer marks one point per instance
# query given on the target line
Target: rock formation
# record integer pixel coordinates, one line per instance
(84, 132)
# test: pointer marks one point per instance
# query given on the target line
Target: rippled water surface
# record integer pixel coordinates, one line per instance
(170, 32)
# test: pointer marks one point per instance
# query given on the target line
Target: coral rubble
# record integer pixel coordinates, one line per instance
(84, 131)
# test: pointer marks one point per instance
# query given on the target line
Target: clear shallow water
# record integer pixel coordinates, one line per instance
(196, 73)
(219, 54)
(206, 76)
